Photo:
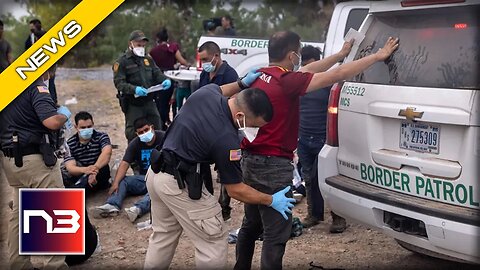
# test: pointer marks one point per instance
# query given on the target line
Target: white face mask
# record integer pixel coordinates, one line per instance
(297, 67)
(138, 51)
(47, 82)
(248, 132)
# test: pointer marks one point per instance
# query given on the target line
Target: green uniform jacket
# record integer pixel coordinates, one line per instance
(130, 71)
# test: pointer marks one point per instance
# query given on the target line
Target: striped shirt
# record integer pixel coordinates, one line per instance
(86, 154)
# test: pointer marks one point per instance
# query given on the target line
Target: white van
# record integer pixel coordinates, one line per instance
(403, 137)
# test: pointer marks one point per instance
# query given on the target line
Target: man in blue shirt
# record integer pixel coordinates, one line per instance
(214, 69)
(218, 72)
(311, 138)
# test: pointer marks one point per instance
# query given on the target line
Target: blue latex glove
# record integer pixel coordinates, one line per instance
(65, 111)
(281, 203)
(166, 84)
(251, 76)
(140, 91)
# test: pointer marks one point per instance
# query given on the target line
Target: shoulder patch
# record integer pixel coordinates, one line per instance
(147, 63)
(115, 67)
(43, 89)
(235, 155)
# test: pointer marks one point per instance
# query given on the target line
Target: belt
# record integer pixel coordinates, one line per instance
(24, 151)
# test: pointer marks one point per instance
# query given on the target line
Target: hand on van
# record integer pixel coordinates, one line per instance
(346, 48)
(390, 46)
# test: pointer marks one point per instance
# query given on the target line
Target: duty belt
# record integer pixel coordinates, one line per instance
(24, 151)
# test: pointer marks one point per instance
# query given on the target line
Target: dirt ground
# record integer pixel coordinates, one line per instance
(123, 246)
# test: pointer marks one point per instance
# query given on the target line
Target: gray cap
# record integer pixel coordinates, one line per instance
(137, 35)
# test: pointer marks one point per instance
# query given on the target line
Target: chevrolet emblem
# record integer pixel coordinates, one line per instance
(410, 113)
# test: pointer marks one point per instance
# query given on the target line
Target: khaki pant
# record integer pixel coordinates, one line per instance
(173, 212)
(33, 174)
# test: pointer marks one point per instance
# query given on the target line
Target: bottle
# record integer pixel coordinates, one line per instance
(147, 224)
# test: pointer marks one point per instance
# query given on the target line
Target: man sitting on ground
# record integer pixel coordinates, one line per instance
(87, 158)
(138, 151)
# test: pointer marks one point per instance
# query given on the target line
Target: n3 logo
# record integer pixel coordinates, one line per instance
(51, 221)
(73, 221)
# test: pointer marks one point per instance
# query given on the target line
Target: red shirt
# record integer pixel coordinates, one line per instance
(164, 55)
(284, 88)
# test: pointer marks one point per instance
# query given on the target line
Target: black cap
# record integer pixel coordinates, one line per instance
(138, 35)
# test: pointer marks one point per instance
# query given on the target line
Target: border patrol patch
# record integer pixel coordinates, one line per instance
(115, 67)
(43, 89)
(147, 63)
(235, 155)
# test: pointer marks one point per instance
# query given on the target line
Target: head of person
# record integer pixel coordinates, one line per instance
(227, 22)
(1, 28)
(310, 54)
(35, 25)
(284, 50)
(84, 125)
(144, 130)
(162, 35)
(211, 27)
(251, 109)
(137, 43)
(209, 54)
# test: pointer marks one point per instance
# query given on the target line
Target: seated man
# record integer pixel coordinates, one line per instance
(86, 161)
(138, 151)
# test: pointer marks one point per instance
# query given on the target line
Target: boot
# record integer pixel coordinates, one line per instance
(338, 224)
(310, 221)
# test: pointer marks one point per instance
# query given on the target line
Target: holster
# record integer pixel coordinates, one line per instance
(17, 155)
(48, 151)
(123, 102)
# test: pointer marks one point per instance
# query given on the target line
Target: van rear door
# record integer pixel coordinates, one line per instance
(411, 124)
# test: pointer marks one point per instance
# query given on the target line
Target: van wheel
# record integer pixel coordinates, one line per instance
(427, 253)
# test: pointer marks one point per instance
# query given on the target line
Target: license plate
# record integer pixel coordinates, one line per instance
(420, 137)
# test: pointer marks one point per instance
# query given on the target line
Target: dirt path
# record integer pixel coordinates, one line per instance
(125, 247)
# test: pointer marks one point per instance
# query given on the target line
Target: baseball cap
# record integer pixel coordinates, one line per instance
(137, 35)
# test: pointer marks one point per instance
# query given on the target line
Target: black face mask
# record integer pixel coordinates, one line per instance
(32, 30)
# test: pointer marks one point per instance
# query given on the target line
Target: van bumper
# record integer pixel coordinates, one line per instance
(452, 231)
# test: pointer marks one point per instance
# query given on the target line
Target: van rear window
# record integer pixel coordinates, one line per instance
(438, 48)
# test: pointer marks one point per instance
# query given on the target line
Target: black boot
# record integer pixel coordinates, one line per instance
(339, 224)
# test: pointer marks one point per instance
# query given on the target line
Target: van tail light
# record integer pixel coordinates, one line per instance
(199, 63)
(332, 114)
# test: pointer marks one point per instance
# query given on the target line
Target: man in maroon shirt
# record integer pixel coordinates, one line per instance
(166, 54)
(267, 157)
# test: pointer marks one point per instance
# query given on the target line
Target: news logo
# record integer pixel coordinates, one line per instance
(51, 221)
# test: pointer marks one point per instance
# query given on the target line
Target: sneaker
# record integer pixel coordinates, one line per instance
(132, 213)
(297, 196)
(105, 210)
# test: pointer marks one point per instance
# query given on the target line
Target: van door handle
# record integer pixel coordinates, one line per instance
(435, 167)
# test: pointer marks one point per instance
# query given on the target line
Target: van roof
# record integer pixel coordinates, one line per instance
(386, 6)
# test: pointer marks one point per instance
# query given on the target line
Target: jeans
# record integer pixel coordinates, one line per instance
(82, 181)
(132, 185)
(268, 175)
(308, 149)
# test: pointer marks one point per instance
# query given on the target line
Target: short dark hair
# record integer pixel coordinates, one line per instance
(229, 18)
(256, 102)
(1, 23)
(141, 122)
(211, 26)
(281, 43)
(162, 35)
(83, 115)
(210, 46)
(309, 52)
(37, 23)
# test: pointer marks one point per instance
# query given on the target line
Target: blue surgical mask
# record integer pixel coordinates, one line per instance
(208, 66)
(297, 67)
(85, 133)
(146, 137)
